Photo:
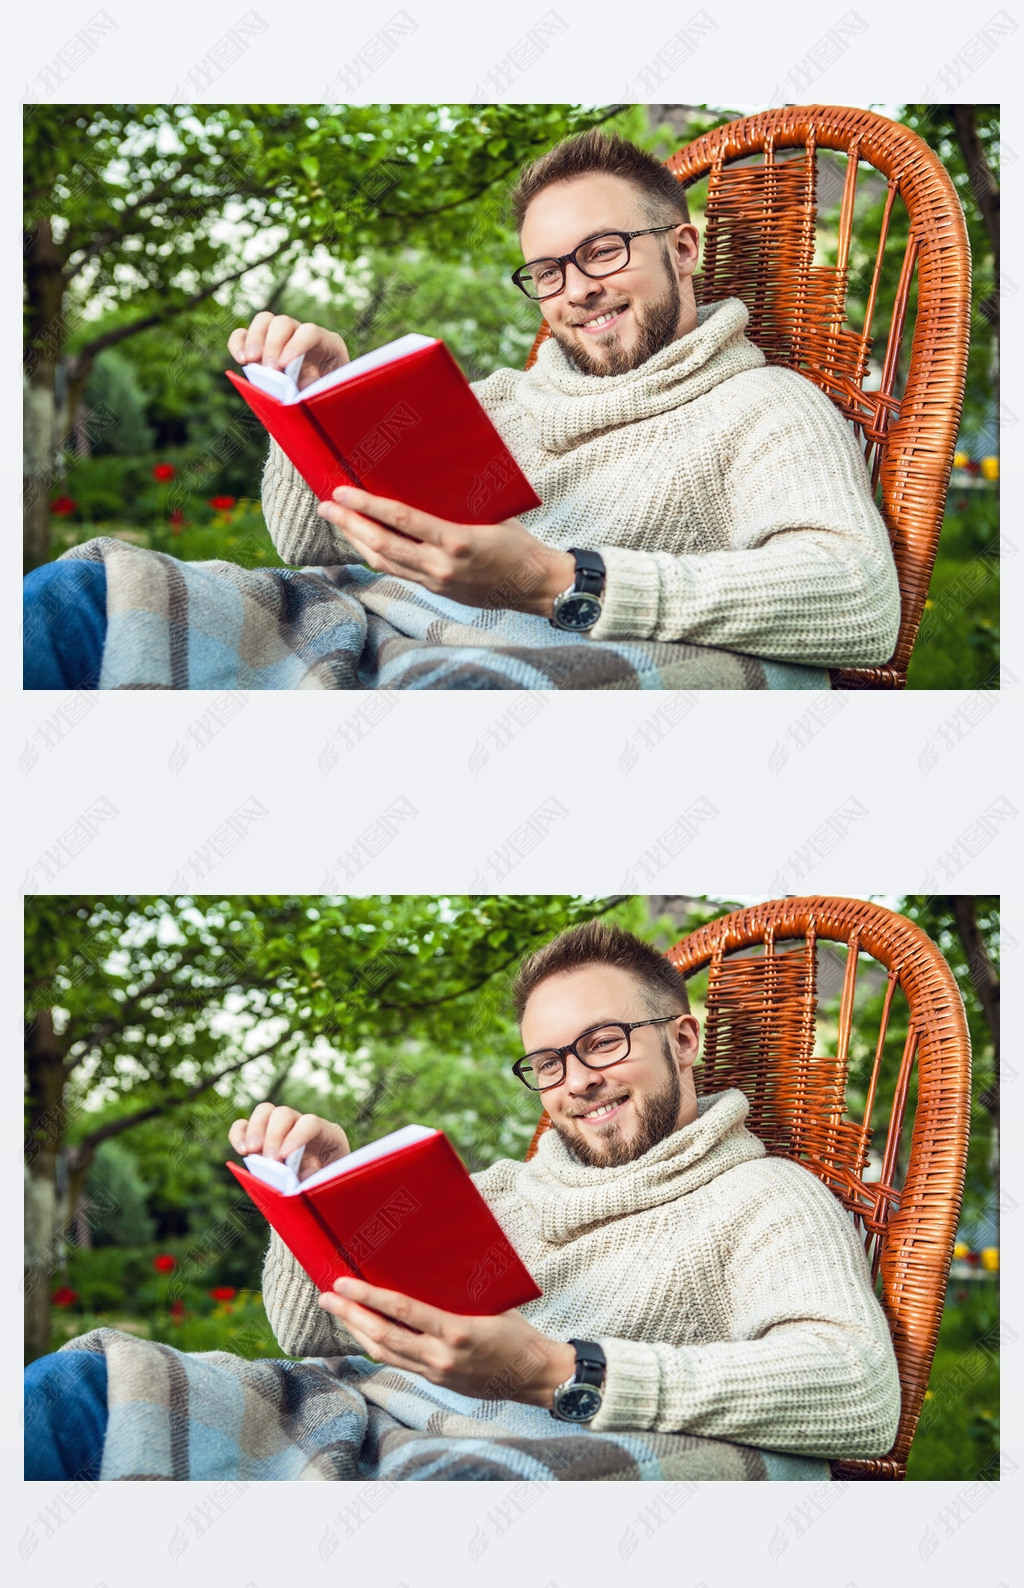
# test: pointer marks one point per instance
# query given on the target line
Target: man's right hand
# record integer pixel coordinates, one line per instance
(275, 339)
(276, 1131)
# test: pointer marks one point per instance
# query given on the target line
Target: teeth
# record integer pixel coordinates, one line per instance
(605, 1108)
(603, 319)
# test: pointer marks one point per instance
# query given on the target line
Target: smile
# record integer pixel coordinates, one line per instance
(597, 1116)
(603, 322)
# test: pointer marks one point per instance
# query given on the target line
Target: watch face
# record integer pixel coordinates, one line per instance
(580, 1402)
(578, 612)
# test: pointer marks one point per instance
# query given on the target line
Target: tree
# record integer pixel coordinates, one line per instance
(138, 1007)
(125, 212)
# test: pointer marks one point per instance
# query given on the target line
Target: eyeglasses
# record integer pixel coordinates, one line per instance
(598, 1049)
(594, 256)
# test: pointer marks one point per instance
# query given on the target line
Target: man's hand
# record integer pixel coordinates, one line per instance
(275, 339)
(501, 1358)
(277, 1131)
(482, 565)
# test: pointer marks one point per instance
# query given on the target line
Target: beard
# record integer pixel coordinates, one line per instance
(657, 324)
(656, 1119)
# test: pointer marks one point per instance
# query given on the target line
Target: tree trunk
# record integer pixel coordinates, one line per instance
(45, 1067)
(44, 287)
(986, 985)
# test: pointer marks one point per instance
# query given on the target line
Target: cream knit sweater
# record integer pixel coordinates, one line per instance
(728, 1289)
(728, 498)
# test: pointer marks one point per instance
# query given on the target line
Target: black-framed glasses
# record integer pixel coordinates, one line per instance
(598, 1049)
(595, 256)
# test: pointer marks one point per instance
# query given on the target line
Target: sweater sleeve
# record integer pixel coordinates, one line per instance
(302, 538)
(809, 576)
(301, 1326)
(810, 1366)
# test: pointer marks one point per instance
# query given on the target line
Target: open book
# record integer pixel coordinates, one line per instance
(402, 1213)
(400, 422)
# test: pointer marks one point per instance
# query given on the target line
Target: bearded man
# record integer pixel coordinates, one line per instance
(706, 521)
(706, 1311)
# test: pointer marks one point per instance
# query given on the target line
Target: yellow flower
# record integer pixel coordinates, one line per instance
(961, 1249)
(960, 460)
(990, 468)
(990, 1258)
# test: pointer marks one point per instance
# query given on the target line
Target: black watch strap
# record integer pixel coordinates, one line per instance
(590, 571)
(590, 1362)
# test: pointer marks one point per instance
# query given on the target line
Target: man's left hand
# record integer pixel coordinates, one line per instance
(496, 1358)
(482, 565)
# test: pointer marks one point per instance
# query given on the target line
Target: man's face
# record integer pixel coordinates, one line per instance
(650, 301)
(612, 1116)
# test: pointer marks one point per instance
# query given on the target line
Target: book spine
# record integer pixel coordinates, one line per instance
(332, 1237)
(332, 446)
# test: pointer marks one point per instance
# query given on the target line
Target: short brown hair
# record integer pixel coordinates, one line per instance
(598, 943)
(586, 152)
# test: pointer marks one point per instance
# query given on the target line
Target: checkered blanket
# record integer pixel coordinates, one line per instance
(215, 1415)
(212, 625)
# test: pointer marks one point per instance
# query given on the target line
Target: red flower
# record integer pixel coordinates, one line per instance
(177, 1310)
(222, 503)
(177, 518)
(223, 1293)
(164, 471)
(64, 1297)
(63, 506)
(165, 1263)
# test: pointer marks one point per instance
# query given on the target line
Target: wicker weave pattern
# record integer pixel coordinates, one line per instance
(759, 246)
(759, 1036)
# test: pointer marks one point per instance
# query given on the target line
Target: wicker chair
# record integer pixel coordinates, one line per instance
(759, 1036)
(759, 246)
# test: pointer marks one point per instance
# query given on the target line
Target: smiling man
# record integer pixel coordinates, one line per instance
(706, 1311)
(706, 521)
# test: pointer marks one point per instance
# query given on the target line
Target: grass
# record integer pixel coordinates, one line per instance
(957, 646)
(958, 642)
(958, 1434)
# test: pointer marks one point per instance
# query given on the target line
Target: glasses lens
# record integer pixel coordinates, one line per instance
(544, 1069)
(602, 255)
(543, 277)
(607, 1045)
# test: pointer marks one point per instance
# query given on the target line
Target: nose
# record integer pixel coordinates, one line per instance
(578, 284)
(578, 1078)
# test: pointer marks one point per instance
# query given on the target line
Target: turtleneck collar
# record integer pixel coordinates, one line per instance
(568, 406)
(568, 1196)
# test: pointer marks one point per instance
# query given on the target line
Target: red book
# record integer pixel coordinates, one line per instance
(401, 1213)
(400, 422)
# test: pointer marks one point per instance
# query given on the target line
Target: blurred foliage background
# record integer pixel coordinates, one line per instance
(151, 231)
(153, 1022)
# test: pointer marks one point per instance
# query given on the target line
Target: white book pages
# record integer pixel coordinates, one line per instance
(284, 1177)
(282, 383)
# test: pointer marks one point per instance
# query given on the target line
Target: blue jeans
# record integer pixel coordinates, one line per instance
(65, 625)
(65, 1415)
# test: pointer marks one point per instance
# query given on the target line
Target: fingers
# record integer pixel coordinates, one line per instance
(408, 521)
(403, 1309)
(380, 548)
(264, 1130)
(275, 339)
(328, 1140)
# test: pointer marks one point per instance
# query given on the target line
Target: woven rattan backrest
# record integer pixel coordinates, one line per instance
(759, 245)
(759, 1036)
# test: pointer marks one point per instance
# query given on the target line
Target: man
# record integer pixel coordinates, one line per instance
(703, 1306)
(691, 496)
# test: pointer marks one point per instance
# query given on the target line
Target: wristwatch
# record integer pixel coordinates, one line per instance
(578, 1400)
(579, 607)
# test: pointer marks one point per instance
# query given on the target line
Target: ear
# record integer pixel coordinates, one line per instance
(686, 1040)
(686, 250)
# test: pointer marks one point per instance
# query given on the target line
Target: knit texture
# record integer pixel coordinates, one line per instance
(728, 1289)
(728, 498)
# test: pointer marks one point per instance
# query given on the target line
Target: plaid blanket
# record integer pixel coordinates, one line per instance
(213, 625)
(215, 1415)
